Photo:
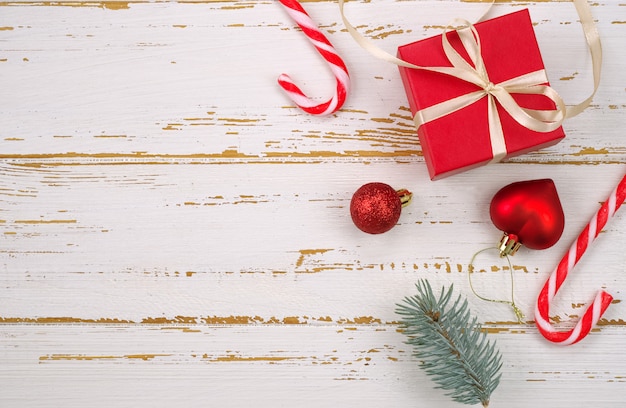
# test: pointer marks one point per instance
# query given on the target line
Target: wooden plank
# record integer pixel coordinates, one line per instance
(195, 365)
(136, 240)
(195, 76)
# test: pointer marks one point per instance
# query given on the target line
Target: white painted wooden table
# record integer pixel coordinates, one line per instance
(175, 233)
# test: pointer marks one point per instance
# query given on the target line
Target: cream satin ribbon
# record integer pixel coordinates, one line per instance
(531, 83)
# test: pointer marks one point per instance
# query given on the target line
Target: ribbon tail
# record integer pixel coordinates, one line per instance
(462, 71)
(595, 47)
(368, 45)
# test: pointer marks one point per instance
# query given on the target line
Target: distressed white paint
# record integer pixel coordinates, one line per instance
(167, 217)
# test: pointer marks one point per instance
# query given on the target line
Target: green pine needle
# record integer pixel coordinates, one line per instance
(453, 349)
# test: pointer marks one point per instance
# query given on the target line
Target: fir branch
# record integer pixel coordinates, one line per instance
(453, 349)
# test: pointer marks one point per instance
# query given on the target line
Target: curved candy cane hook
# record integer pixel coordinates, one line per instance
(328, 52)
(571, 258)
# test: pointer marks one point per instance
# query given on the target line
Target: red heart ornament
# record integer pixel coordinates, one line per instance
(529, 213)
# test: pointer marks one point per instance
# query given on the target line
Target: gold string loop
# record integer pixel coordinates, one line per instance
(518, 312)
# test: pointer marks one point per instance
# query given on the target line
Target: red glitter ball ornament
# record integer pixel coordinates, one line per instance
(375, 207)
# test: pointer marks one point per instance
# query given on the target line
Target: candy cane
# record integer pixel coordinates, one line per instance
(326, 50)
(578, 248)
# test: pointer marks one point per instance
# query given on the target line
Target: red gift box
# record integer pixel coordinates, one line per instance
(462, 139)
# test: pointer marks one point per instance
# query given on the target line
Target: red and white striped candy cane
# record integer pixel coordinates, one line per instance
(578, 248)
(326, 50)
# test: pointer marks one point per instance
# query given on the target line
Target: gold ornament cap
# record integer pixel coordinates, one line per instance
(509, 244)
(405, 196)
